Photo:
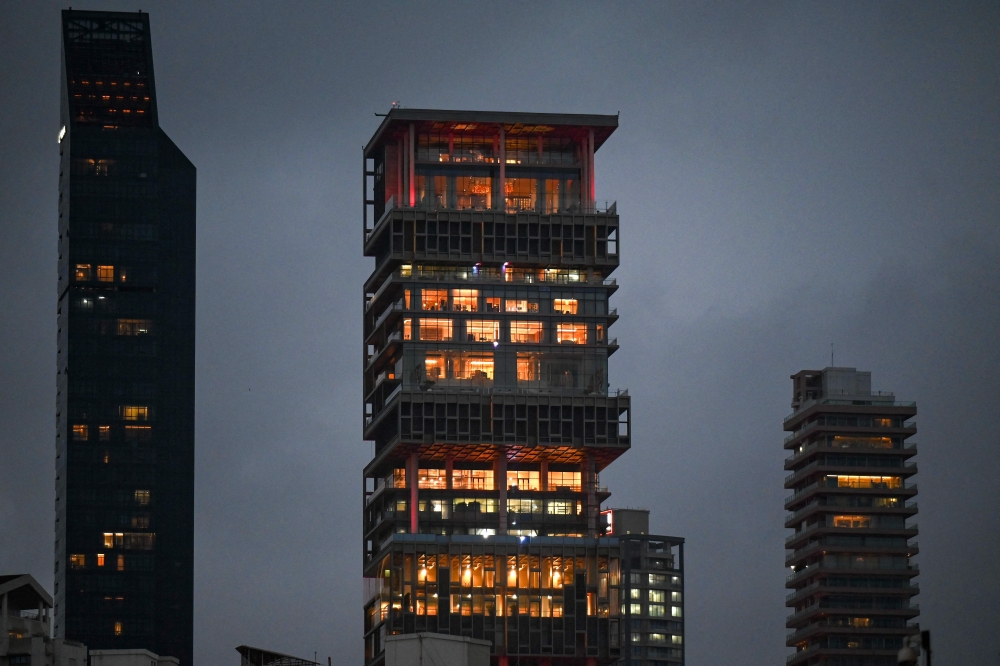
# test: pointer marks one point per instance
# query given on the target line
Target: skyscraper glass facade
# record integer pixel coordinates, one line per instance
(125, 413)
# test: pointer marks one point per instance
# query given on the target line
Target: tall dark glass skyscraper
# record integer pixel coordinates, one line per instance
(125, 413)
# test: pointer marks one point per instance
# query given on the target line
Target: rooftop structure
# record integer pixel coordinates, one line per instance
(851, 577)
(251, 656)
(26, 627)
(124, 541)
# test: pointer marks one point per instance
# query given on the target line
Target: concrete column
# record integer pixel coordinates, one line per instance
(590, 164)
(584, 176)
(500, 481)
(400, 185)
(544, 474)
(449, 468)
(412, 159)
(590, 476)
(412, 471)
(503, 170)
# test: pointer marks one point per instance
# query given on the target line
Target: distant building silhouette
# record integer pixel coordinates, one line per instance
(125, 414)
(851, 576)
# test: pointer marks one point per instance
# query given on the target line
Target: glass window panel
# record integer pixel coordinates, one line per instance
(565, 306)
(571, 333)
(482, 330)
(434, 299)
(435, 329)
(465, 300)
(526, 331)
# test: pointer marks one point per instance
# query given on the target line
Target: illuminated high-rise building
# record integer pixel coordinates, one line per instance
(851, 577)
(126, 306)
(486, 339)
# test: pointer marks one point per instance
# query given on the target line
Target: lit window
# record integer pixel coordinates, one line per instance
(482, 330)
(523, 479)
(83, 273)
(514, 305)
(571, 333)
(81, 433)
(106, 273)
(475, 504)
(142, 497)
(560, 507)
(564, 481)
(657, 638)
(600, 332)
(472, 479)
(675, 611)
(135, 326)
(656, 610)
(118, 628)
(135, 413)
(434, 367)
(657, 596)
(407, 329)
(527, 367)
(109, 540)
(399, 477)
(526, 331)
(77, 561)
(121, 563)
(493, 304)
(435, 329)
(636, 637)
(135, 433)
(100, 559)
(677, 640)
(473, 366)
(675, 580)
(635, 609)
(465, 300)
(865, 481)
(104, 433)
(432, 478)
(852, 521)
(635, 594)
(434, 299)
(564, 306)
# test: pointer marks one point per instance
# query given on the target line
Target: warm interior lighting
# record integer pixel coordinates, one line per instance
(432, 478)
(134, 326)
(106, 273)
(100, 559)
(435, 329)
(118, 628)
(526, 331)
(564, 306)
(82, 273)
(472, 479)
(520, 305)
(524, 479)
(135, 413)
(847, 481)
(465, 300)
(435, 300)
(81, 433)
(571, 333)
(482, 330)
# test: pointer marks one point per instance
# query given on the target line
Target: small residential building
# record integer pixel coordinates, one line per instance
(26, 627)
(652, 590)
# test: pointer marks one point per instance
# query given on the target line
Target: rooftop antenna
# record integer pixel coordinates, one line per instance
(831, 354)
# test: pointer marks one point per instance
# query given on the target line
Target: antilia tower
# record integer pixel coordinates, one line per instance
(486, 326)
(851, 577)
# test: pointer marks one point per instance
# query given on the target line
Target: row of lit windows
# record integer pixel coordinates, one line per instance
(103, 273)
(655, 610)
(81, 432)
(129, 540)
(482, 479)
(654, 596)
(863, 481)
(653, 579)
(637, 637)
(489, 505)
(80, 561)
(467, 300)
(525, 332)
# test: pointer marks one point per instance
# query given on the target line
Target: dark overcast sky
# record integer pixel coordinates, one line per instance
(788, 176)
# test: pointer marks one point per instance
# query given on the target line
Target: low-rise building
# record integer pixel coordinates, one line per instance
(26, 627)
